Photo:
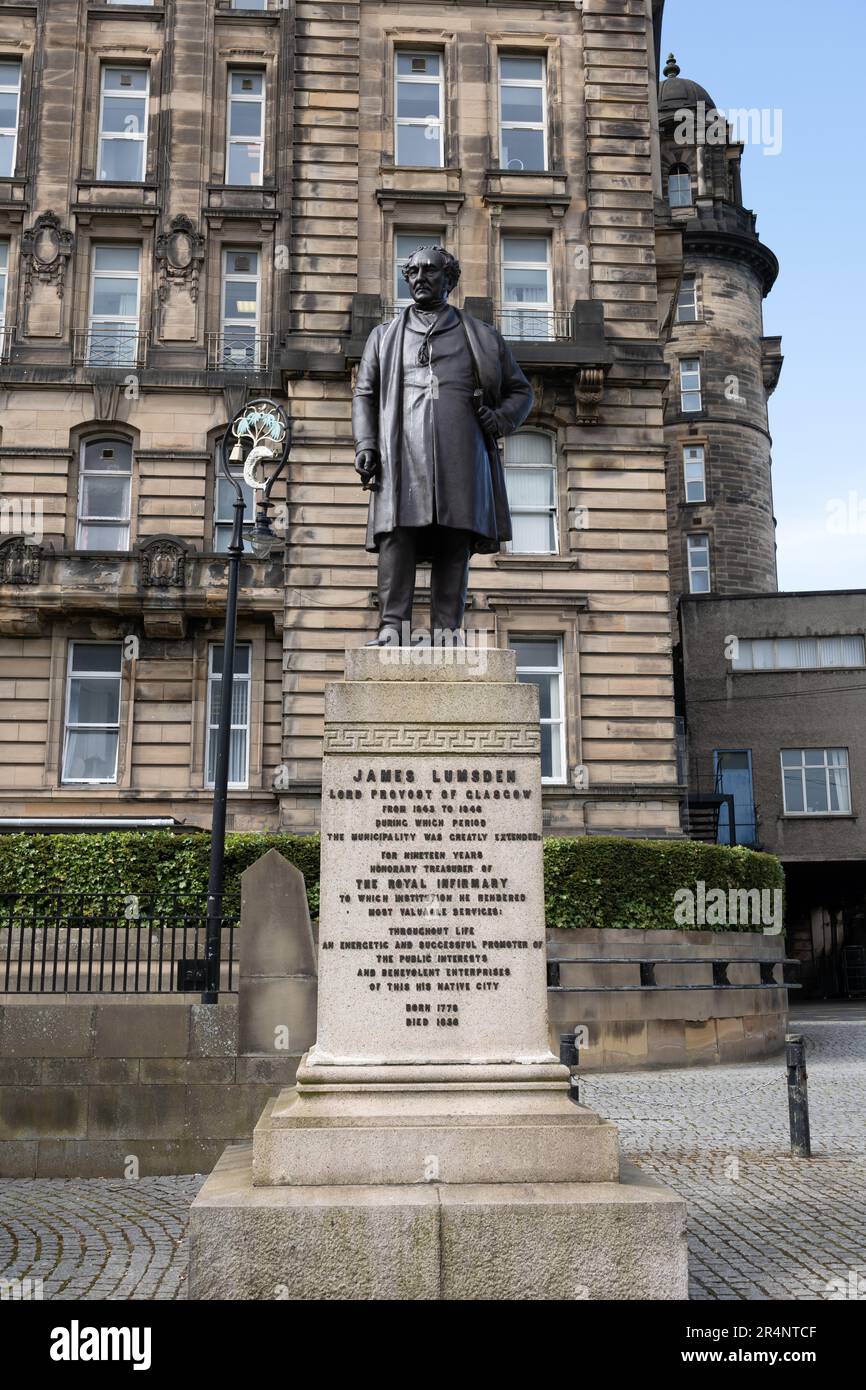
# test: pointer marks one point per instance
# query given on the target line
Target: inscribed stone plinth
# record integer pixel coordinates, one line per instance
(432, 1054)
(431, 1116)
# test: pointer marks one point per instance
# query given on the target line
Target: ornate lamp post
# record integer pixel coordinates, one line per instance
(262, 435)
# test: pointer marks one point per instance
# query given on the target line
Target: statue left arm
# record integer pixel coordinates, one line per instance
(517, 398)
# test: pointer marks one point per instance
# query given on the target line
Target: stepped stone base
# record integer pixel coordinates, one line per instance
(449, 1124)
(432, 1241)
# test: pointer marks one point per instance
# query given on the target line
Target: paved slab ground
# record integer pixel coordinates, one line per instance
(762, 1225)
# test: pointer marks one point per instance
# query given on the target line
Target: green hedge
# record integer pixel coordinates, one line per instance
(155, 864)
(588, 882)
(608, 882)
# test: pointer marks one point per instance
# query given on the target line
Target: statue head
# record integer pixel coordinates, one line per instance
(431, 273)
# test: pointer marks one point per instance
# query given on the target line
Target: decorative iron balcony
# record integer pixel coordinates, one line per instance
(110, 347)
(239, 352)
(7, 338)
(535, 325)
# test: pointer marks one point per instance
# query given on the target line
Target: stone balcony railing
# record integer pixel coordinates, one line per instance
(162, 581)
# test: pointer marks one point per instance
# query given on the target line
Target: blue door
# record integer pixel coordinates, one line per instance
(733, 768)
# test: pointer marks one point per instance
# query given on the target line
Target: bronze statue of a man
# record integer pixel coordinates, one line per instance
(435, 390)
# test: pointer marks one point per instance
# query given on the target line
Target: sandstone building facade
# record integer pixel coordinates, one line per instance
(204, 202)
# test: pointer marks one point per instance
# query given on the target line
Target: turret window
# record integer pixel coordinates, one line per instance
(694, 468)
(687, 300)
(690, 385)
(680, 187)
(699, 564)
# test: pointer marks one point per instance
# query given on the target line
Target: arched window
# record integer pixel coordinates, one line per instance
(679, 186)
(104, 488)
(530, 475)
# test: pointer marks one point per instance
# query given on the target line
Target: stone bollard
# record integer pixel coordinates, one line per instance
(278, 984)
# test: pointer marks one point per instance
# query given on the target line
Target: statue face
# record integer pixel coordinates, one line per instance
(427, 278)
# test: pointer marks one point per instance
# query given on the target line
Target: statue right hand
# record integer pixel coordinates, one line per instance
(367, 466)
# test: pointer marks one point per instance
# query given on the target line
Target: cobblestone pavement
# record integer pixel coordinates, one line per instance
(761, 1224)
(97, 1238)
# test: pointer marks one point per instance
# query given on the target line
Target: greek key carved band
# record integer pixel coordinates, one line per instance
(440, 739)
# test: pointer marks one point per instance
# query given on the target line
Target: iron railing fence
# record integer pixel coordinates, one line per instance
(535, 325)
(239, 352)
(108, 943)
(115, 348)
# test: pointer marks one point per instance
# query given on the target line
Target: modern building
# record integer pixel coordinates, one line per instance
(775, 698)
(205, 202)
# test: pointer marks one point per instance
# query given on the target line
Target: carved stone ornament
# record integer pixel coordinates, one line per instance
(20, 561)
(46, 249)
(436, 741)
(179, 256)
(589, 393)
(162, 564)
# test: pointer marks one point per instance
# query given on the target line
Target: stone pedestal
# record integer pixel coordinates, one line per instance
(430, 1141)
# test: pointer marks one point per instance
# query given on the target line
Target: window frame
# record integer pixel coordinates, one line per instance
(691, 543)
(211, 729)
(694, 463)
(228, 327)
(679, 171)
(5, 245)
(544, 311)
(553, 508)
(13, 61)
(123, 136)
(693, 301)
(691, 390)
(826, 767)
(84, 473)
(420, 80)
(260, 98)
(115, 321)
(752, 669)
(543, 125)
(515, 635)
(118, 676)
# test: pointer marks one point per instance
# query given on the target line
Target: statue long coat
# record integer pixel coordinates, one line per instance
(459, 466)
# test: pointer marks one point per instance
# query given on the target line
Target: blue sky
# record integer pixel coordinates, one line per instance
(810, 62)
